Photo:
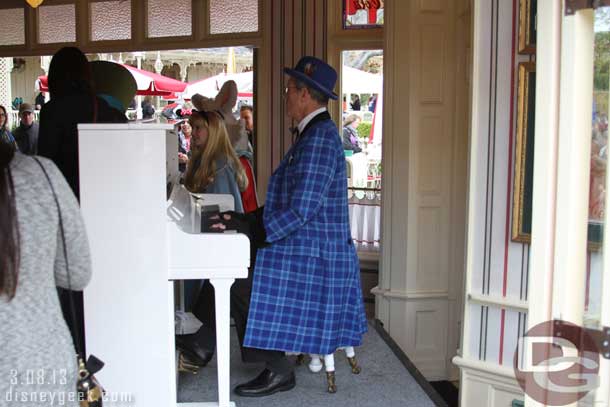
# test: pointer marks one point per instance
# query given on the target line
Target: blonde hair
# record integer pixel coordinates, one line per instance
(350, 119)
(201, 168)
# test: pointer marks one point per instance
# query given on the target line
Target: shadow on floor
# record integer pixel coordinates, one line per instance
(447, 391)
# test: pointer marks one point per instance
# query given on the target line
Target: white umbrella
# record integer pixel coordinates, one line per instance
(356, 81)
(209, 87)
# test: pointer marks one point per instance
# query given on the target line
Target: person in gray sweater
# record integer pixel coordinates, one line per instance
(38, 359)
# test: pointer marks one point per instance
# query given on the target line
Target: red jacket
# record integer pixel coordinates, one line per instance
(248, 197)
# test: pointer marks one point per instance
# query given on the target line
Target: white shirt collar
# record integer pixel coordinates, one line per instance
(308, 118)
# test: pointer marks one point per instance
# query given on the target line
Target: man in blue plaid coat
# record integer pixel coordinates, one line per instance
(306, 295)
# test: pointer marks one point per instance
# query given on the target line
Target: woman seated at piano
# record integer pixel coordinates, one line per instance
(214, 167)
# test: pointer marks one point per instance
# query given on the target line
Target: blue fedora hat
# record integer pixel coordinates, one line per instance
(315, 73)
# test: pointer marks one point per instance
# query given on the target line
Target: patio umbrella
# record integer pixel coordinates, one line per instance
(209, 87)
(148, 83)
(356, 81)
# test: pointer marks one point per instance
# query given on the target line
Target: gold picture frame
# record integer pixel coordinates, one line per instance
(523, 186)
(527, 26)
(524, 153)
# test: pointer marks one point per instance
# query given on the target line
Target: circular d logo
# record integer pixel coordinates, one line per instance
(557, 363)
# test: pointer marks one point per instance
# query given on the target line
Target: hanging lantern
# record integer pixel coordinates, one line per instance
(34, 3)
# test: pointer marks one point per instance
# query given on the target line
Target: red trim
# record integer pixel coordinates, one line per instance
(501, 354)
(509, 182)
(372, 132)
(588, 281)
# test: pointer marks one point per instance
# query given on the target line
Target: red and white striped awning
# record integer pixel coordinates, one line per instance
(148, 83)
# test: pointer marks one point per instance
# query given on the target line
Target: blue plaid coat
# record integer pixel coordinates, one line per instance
(306, 293)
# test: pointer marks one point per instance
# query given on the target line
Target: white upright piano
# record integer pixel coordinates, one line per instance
(141, 242)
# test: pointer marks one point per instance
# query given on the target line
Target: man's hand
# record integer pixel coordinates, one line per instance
(230, 220)
(250, 224)
(183, 158)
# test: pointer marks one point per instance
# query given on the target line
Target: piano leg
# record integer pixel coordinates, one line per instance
(181, 290)
(222, 292)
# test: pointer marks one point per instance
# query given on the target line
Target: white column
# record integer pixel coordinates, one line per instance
(573, 166)
(184, 71)
(45, 62)
(139, 56)
(231, 64)
(417, 197)
(158, 69)
(567, 271)
(158, 63)
(545, 165)
(6, 98)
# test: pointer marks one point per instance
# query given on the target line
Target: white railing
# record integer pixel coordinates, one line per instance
(365, 218)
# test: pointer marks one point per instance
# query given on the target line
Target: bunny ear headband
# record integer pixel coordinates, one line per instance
(222, 103)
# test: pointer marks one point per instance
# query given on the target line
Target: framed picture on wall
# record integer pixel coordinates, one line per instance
(524, 153)
(524, 167)
(527, 26)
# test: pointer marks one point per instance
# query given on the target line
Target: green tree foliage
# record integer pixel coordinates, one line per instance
(602, 61)
(364, 130)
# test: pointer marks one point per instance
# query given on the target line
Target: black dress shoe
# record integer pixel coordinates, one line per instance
(266, 383)
(193, 351)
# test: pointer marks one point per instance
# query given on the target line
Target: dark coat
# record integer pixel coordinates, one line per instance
(40, 99)
(306, 295)
(182, 148)
(27, 138)
(58, 134)
(148, 110)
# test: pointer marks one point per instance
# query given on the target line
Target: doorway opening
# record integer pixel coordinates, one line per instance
(362, 113)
